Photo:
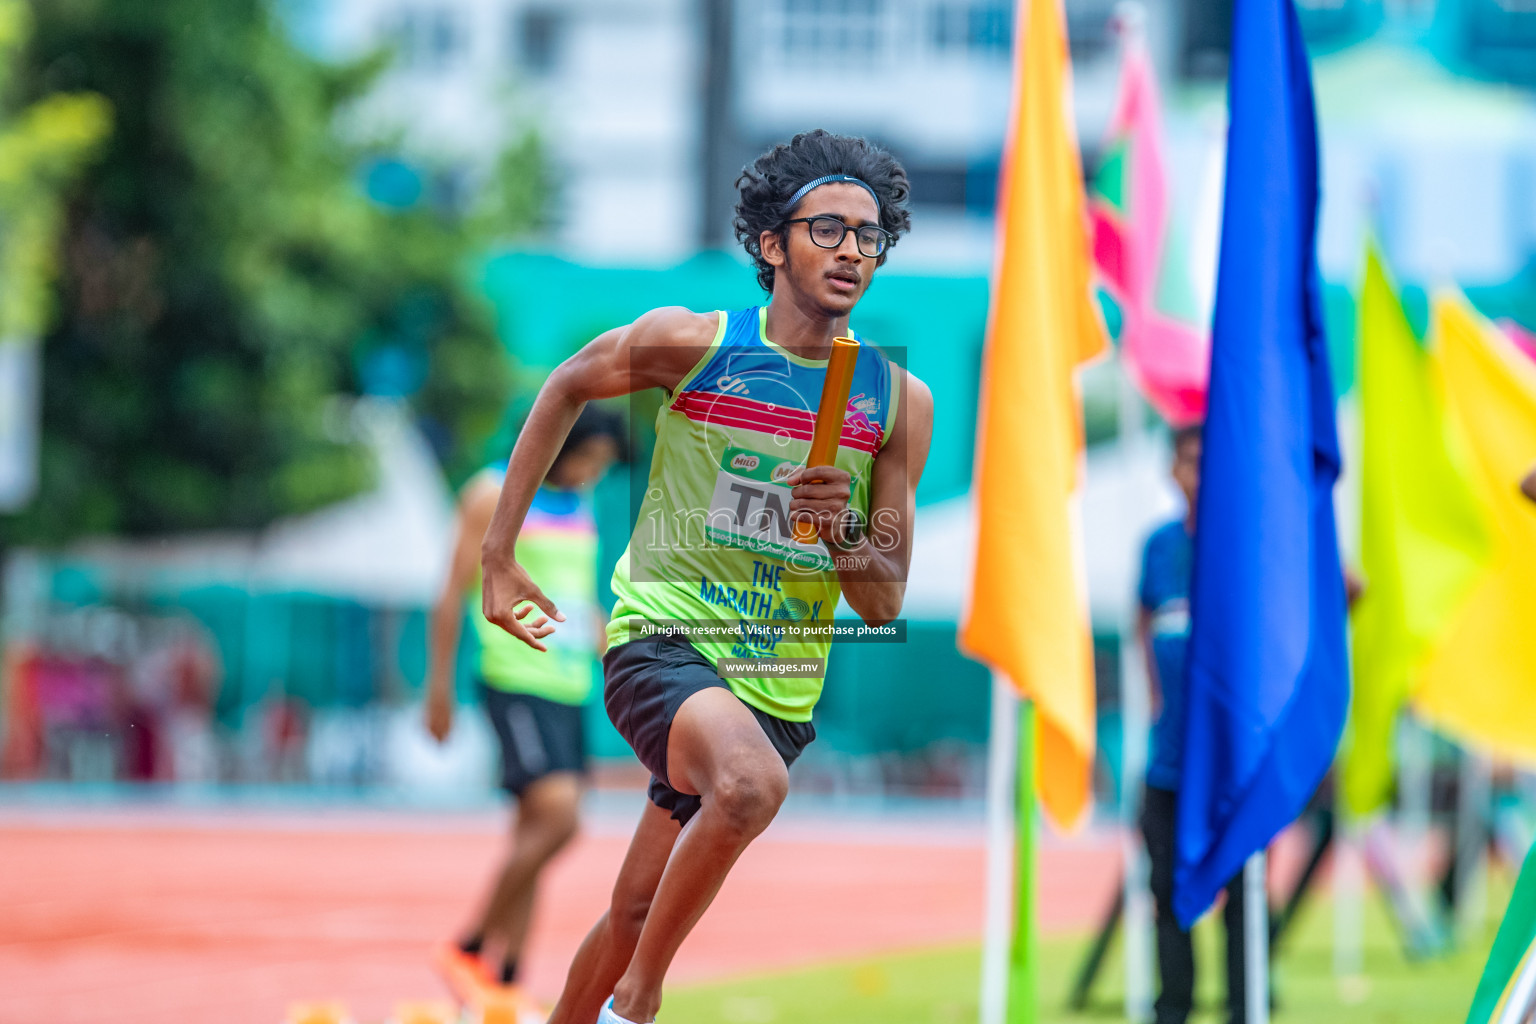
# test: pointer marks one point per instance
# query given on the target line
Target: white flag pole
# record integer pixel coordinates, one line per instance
(1472, 807)
(1256, 940)
(1349, 910)
(1348, 901)
(1002, 777)
(1135, 720)
(1415, 769)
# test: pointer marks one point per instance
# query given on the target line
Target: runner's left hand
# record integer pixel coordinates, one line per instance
(821, 493)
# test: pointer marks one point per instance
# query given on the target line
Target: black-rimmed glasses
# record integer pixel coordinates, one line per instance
(829, 232)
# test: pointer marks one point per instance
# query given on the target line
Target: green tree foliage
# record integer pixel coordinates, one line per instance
(42, 147)
(226, 278)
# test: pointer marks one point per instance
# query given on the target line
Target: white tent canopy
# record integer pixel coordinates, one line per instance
(388, 546)
(1128, 493)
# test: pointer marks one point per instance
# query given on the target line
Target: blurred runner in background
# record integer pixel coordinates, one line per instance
(534, 700)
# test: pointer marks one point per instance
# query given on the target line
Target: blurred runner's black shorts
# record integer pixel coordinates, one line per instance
(537, 736)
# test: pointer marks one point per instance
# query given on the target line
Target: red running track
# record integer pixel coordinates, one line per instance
(169, 918)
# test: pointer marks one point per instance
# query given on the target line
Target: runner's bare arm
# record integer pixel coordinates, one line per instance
(475, 508)
(873, 573)
(657, 350)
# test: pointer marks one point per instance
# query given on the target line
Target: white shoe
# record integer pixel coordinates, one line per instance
(607, 1016)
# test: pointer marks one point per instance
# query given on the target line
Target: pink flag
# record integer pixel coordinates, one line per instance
(1168, 359)
(1524, 340)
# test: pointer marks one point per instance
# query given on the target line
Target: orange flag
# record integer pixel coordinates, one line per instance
(1028, 610)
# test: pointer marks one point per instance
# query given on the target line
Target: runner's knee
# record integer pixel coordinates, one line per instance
(548, 824)
(553, 798)
(552, 833)
(747, 798)
(627, 913)
(566, 829)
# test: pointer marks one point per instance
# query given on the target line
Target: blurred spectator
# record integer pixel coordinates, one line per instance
(1163, 627)
(102, 695)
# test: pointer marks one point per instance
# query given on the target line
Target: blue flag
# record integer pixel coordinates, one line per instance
(1267, 673)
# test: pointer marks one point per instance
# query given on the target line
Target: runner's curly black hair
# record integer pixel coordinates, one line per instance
(767, 185)
(594, 421)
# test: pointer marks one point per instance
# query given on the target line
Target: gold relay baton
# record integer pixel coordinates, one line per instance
(835, 389)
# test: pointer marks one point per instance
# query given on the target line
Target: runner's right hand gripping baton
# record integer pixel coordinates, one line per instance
(829, 419)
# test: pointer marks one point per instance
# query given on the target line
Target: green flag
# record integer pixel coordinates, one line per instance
(1516, 934)
(1424, 536)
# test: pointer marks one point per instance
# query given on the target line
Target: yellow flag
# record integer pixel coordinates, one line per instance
(1424, 541)
(1481, 681)
(1028, 610)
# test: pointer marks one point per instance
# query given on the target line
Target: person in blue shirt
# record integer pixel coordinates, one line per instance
(1163, 628)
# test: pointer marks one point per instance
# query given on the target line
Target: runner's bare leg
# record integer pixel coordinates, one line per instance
(606, 951)
(716, 749)
(546, 820)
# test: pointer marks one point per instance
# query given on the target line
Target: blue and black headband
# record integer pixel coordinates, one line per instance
(831, 179)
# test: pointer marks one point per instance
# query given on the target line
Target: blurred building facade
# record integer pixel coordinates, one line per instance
(651, 107)
(612, 85)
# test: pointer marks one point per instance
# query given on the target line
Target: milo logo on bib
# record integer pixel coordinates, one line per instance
(749, 509)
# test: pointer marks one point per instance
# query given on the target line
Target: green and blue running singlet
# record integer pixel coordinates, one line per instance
(558, 547)
(712, 542)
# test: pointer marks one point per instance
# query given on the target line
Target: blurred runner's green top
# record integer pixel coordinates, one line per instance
(712, 546)
(558, 547)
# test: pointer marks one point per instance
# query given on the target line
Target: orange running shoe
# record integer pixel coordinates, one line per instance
(465, 974)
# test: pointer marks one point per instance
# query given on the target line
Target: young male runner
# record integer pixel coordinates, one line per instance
(711, 546)
(533, 700)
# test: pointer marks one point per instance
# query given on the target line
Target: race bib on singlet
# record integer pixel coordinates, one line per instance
(749, 509)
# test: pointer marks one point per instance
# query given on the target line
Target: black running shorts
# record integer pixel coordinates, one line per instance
(646, 681)
(538, 737)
